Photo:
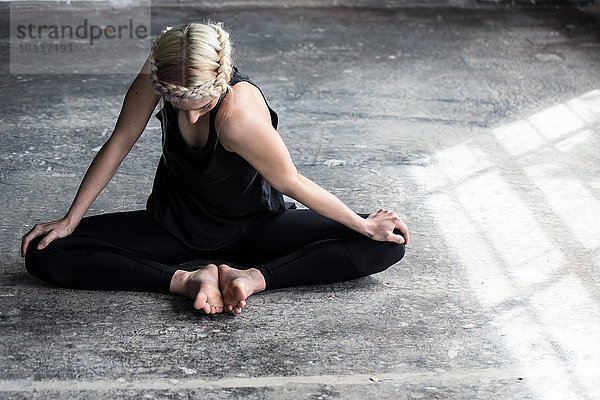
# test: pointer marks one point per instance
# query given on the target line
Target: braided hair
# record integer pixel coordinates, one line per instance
(191, 61)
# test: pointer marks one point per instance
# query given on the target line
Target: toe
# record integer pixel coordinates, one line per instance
(200, 301)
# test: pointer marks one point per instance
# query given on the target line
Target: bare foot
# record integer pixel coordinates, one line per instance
(237, 285)
(202, 286)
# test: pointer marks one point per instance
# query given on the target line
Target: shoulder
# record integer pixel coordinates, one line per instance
(242, 110)
(242, 95)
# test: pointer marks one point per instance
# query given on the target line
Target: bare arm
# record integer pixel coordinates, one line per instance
(246, 130)
(137, 108)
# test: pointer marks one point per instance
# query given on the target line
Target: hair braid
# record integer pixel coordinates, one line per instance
(224, 71)
(163, 48)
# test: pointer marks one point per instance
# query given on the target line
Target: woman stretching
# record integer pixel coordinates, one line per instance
(217, 195)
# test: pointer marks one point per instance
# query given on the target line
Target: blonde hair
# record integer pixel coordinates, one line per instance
(191, 61)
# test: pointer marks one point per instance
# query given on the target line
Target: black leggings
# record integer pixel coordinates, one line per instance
(130, 251)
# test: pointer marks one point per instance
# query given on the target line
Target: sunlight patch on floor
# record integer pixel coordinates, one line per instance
(497, 225)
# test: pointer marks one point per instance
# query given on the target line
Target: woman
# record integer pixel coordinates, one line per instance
(217, 195)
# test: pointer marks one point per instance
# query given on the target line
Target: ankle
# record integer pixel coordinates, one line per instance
(257, 279)
(178, 281)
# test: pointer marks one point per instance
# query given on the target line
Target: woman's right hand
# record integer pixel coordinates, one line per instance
(52, 230)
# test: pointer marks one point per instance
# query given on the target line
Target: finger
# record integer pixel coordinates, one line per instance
(47, 239)
(402, 227)
(395, 238)
(24, 243)
(405, 233)
(32, 234)
(402, 233)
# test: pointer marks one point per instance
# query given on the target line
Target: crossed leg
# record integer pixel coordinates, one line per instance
(129, 251)
(299, 247)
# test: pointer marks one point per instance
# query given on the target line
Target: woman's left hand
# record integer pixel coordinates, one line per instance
(387, 226)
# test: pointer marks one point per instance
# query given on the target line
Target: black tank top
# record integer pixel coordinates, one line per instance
(208, 197)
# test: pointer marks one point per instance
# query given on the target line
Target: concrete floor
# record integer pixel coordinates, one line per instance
(481, 127)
